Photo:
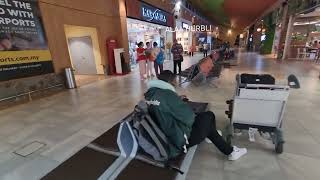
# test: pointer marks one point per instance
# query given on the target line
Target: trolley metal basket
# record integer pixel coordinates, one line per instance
(260, 106)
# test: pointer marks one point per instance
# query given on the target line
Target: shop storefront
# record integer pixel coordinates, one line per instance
(184, 37)
(147, 23)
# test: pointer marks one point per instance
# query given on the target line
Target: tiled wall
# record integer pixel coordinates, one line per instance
(19, 86)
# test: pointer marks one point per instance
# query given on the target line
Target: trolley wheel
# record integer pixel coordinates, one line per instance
(279, 147)
(278, 141)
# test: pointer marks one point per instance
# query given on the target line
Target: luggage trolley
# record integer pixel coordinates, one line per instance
(258, 103)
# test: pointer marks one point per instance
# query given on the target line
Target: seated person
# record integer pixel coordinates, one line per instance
(206, 66)
(178, 122)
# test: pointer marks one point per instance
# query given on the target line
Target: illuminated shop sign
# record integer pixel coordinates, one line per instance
(152, 14)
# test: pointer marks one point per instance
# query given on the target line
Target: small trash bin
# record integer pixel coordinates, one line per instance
(70, 80)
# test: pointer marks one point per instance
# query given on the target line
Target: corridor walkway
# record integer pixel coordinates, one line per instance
(66, 122)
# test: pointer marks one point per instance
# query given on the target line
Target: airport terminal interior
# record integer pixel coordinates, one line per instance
(83, 97)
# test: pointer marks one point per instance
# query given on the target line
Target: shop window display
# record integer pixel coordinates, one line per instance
(139, 31)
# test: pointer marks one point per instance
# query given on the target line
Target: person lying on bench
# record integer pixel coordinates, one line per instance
(178, 122)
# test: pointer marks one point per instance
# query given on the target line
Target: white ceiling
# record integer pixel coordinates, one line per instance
(315, 13)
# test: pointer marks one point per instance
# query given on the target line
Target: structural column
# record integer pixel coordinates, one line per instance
(123, 33)
(283, 28)
(286, 50)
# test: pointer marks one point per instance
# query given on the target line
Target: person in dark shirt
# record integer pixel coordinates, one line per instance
(177, 51)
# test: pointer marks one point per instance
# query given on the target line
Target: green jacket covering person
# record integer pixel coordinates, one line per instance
(176, 119)
(173, 115)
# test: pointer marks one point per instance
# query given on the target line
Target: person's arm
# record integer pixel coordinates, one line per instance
(153, 54)
(173, 49)
(180, 49)
(138, 52)
(181, 111)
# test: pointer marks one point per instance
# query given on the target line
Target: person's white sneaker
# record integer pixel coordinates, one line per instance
(237, 132)
(237, 153)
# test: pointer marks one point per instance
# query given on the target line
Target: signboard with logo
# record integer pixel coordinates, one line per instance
(146, 12)
(153, 15)
(23, 46)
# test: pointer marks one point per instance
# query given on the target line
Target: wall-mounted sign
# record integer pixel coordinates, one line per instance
(23, 47)
(152, 14)
(140, 10)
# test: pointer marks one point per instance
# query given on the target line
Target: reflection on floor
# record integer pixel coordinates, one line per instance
(69, 120)
(82, 80)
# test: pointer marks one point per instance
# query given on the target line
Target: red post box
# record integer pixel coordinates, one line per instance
(111, 45)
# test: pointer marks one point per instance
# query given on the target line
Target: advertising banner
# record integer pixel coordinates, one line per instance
(23, 46)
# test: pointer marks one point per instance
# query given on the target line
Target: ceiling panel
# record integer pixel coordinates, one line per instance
(235, 13)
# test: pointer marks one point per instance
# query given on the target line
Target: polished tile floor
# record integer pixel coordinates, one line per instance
(68, 121)
(82, 80)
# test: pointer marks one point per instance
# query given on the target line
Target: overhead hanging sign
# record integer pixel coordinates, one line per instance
(23, 46)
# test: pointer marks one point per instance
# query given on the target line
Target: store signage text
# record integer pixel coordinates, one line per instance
(152, 14)
(194, 28)
(16, 13)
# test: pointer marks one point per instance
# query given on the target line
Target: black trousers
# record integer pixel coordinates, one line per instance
(205, 53)
(205, 127)
(175, 64)
(158, 67)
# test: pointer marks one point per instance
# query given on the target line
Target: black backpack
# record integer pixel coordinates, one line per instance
(257, 79)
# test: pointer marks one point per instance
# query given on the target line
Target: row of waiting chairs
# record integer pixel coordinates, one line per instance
(304, 54)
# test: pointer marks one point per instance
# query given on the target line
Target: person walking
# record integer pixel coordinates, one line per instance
(158, 55)
(150, 61)
(177, 51)
(141, 59)
(201, 47)
(192, 49)
(205, 50)
(317, 56)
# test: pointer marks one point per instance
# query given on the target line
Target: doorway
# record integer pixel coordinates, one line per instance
(84, 52)
(81, 52)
